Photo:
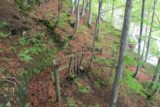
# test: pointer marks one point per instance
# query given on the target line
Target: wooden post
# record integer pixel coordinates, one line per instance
(80, 62)
(70, 65)
(74, 65)
(57, 82)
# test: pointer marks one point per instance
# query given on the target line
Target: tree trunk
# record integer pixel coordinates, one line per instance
(77, 18)
(150, 33)
(157, 73)
(123, 45)
(83, 8)
(112, 14)
(139, 59)
(98, 20)
(96, 32)
(74, 2)
(156, 79)
(145, 36)
(90, 13)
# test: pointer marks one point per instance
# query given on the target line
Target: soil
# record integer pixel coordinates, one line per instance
(41, 88)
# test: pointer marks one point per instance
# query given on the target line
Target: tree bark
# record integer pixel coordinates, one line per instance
(98, 20)
(90, 13)
(83, 8)
(145, 36)
(155, 81)
(123, 45)
(157, 72)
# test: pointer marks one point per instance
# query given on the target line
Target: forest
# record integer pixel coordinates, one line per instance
(79, 53)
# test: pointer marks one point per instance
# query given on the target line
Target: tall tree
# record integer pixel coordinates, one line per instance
(123, 45)
(151, 28)
(98, 19)
(155, 81)
(140, 39)
(112, 14)
(77, 18)
(157, 72)
(83, 8)
(90, 13)
(96, 33)
(74, 2)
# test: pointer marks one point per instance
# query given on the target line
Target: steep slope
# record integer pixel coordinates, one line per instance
(31, 64)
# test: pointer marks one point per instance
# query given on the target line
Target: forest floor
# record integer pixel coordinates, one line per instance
(91, 88)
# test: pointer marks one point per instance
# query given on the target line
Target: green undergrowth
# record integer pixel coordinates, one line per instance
(71, 102)
(3, 24)
(32, 45)
(149, 69)
(54, 36)
(131, 83)
(40, 63)
(130, 60)
(107, 27)
(26, 7)
(67, 4)
(82, 28)
(3, 33)
(62, 19)
(82, 88)
(103, 61)
(37, 56)
(127, 80)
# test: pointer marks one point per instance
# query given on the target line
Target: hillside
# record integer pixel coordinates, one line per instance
(31, 39)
